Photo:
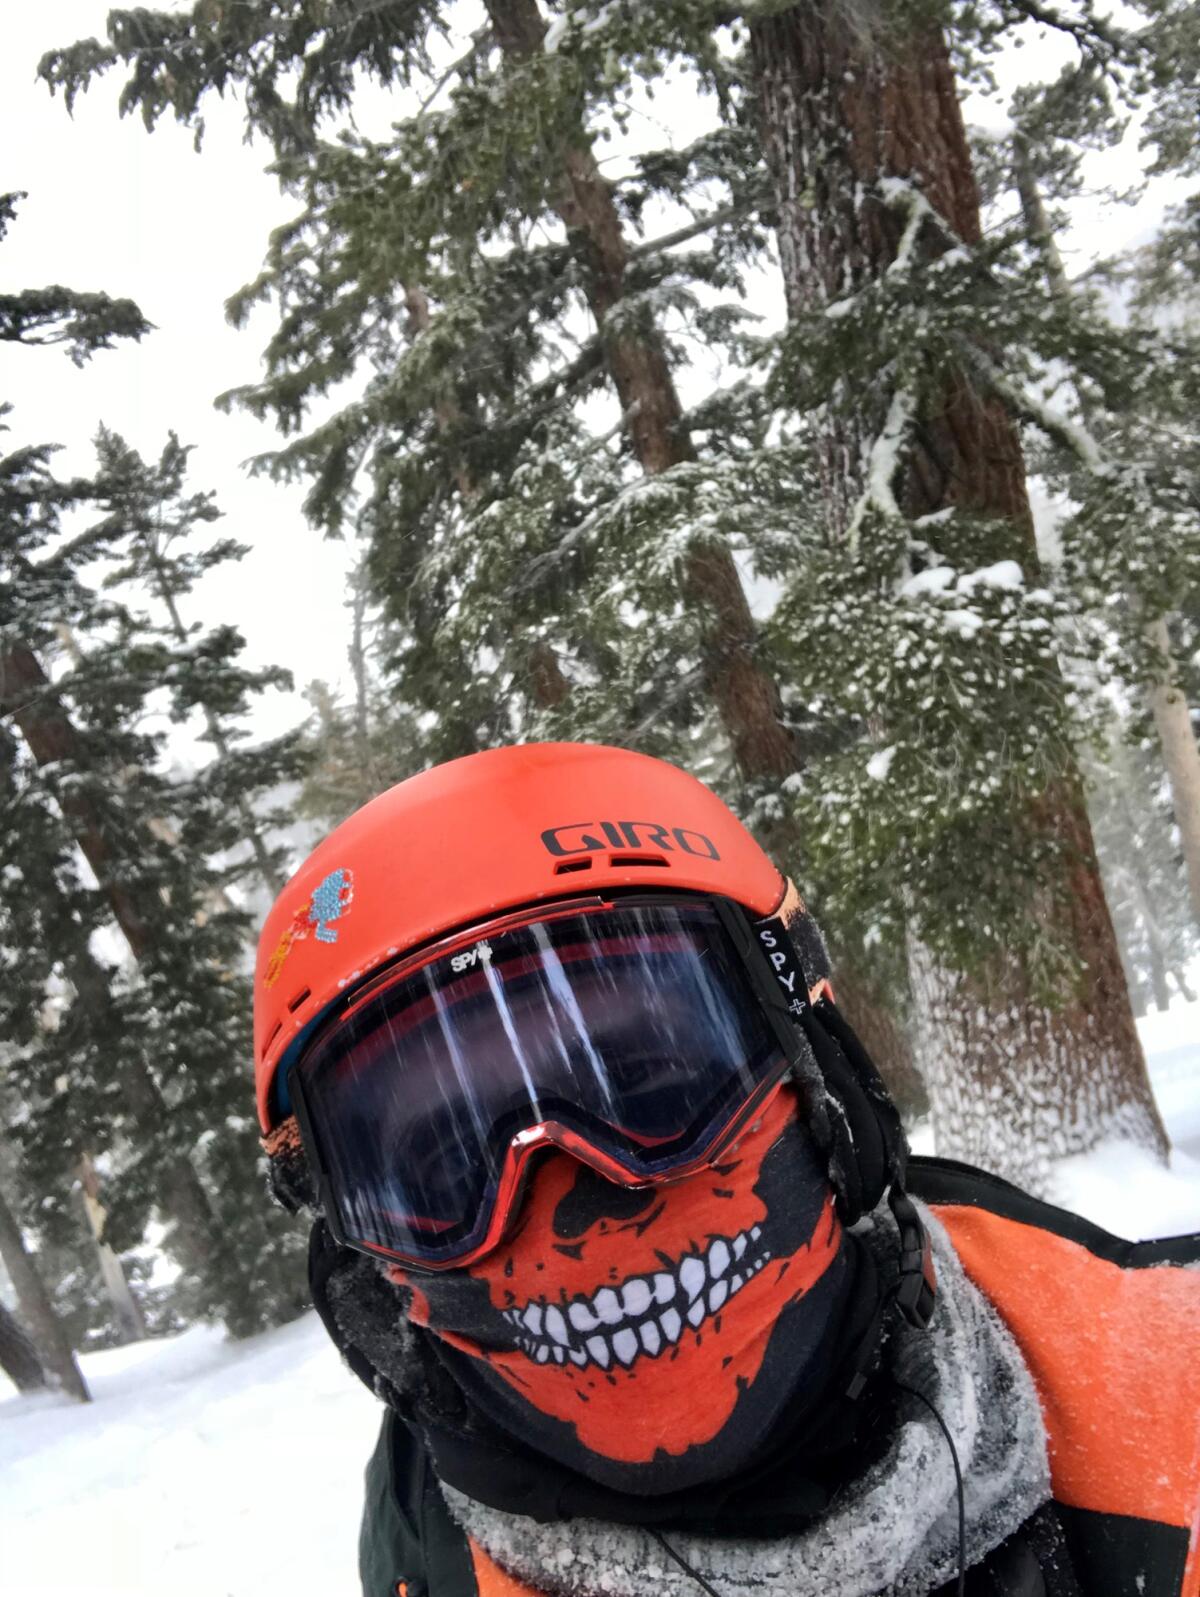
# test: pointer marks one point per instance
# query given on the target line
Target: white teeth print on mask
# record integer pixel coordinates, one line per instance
(646, 1315)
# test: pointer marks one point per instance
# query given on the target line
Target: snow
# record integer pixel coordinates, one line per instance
(880, 764)
(1120, 1186)
(189, 1472)
(1004, 574)
(206, 1468)
(965, 622)
(936, 579)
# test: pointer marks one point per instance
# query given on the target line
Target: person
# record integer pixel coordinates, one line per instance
(615, 1215)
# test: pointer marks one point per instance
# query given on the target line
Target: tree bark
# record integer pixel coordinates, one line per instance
(124, 1305)
(26, 695)
(845, 102)
(53, 1350)
(18, 1356)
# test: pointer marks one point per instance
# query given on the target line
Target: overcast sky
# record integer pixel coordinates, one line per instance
(113, 208)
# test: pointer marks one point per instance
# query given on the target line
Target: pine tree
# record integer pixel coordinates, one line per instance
(145, 1060)
(931, 555)
(1132, 557)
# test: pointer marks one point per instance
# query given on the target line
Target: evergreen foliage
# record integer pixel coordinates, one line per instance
(133, 1047)
(532, 573)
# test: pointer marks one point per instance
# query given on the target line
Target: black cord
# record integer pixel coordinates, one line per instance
(958, 1481)
(682, 1562)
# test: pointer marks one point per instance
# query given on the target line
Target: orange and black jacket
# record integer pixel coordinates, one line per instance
(1111, 1332)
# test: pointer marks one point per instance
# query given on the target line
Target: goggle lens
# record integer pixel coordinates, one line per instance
(634, 1028)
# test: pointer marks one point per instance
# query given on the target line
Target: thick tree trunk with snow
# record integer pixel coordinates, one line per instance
(1181, 756)
(845, 103)
(53, 1350)
(18, 1356)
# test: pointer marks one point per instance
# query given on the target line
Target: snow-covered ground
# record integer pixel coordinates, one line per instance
(208, 1469)
(201, 1466)
(1122, 1188)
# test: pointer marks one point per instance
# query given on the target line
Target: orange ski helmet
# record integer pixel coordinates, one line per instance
(478, 837)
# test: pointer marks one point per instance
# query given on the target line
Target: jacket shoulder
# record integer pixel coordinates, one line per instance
(947, 1183)
(407, 1541)
(1108, 1329)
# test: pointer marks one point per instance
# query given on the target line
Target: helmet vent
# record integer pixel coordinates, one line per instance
(638, 859)
(565, 867)
(295, 1002)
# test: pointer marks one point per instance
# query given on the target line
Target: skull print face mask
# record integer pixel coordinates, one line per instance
(650, 1338)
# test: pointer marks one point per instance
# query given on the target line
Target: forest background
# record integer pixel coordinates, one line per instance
(688, 377)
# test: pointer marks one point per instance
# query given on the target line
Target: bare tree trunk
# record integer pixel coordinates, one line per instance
(53, 1350)
(1181, 756)
(26, 694)
(124, 1305)
(847, 102)
(18, 1356)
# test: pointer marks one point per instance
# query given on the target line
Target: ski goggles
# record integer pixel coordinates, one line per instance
(638, 1034)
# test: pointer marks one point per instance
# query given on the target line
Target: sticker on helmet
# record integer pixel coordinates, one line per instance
(330, 900)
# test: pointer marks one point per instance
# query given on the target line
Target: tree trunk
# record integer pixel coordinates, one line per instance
(125, 1308)
(881, 1035)
(53, 1350)
(747, 699)
(843, 108)
(26, 695)
(1173, 720)
(18, 1356)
